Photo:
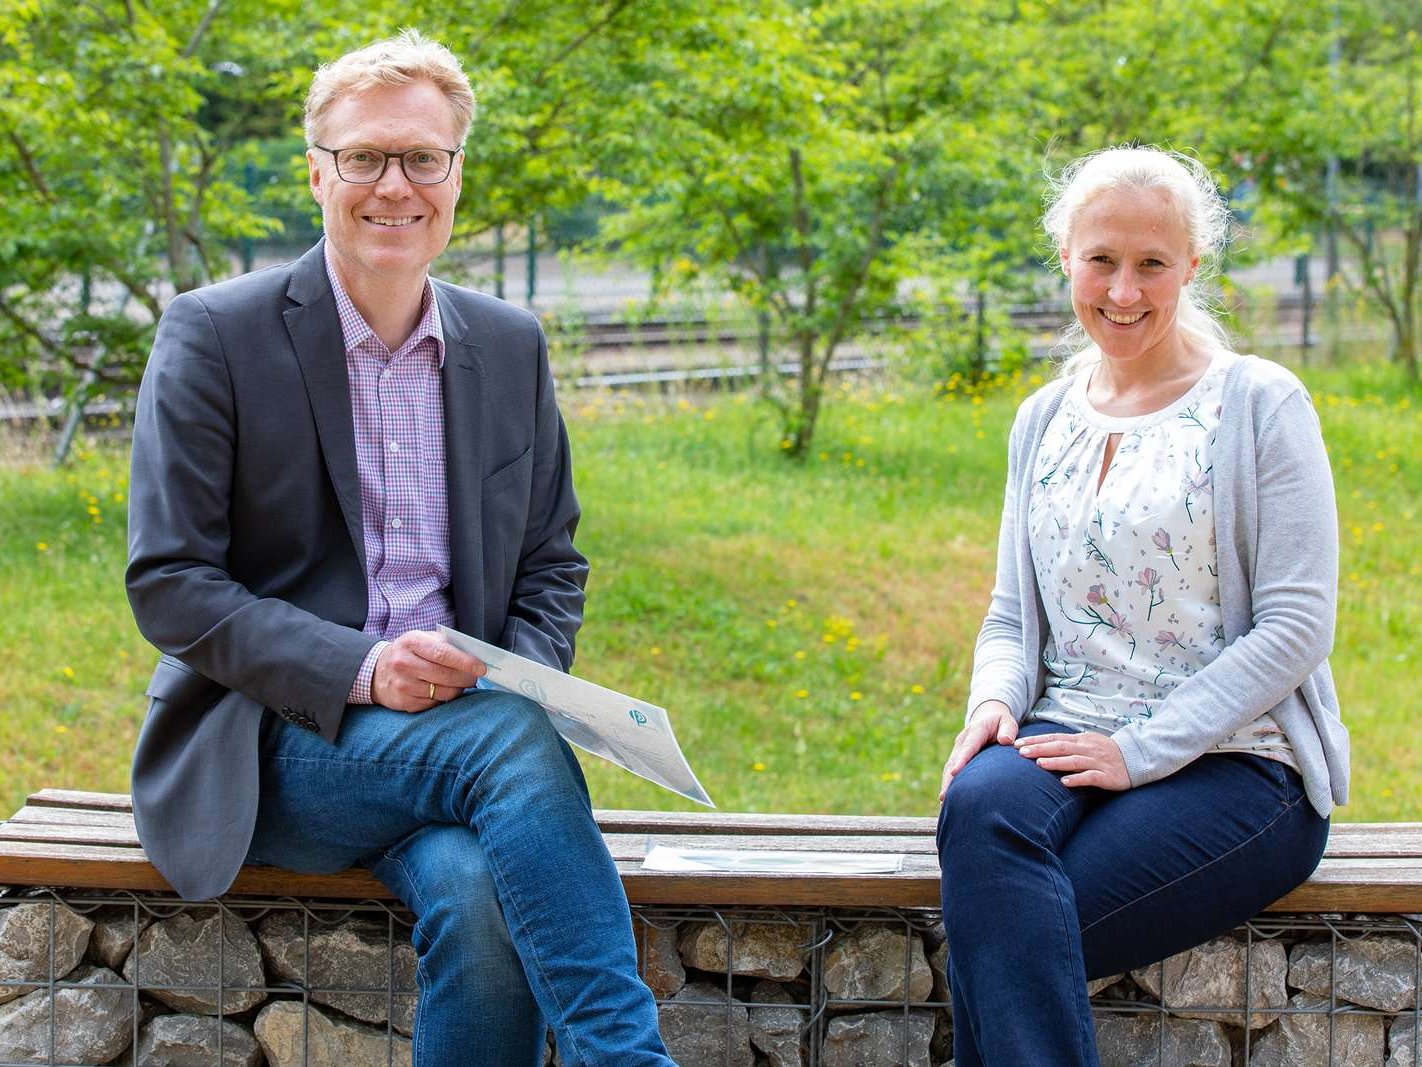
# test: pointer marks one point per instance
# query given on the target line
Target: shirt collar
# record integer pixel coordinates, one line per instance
(355, 331)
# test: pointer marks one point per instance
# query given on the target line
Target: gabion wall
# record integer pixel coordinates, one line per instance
(134, 979)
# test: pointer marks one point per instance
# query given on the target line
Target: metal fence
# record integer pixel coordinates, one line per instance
(821, 986)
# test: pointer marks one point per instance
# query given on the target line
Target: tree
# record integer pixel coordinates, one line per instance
(120, 126)
(813, 158)
(1336, 147)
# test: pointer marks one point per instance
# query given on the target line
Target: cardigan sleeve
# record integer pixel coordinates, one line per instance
(998, 658)
(1293, 599)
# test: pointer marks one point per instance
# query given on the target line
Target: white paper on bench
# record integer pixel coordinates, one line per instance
(769, 861)
(631, 733)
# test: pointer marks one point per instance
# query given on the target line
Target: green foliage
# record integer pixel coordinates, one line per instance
(830, 163)
(815, 158)
(120, 126)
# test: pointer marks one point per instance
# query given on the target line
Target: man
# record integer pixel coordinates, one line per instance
(331, 457)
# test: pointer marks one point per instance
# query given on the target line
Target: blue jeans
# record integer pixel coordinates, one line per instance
(476, 815)
(1045, 886)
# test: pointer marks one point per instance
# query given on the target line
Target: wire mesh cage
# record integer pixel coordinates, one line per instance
(100, 978)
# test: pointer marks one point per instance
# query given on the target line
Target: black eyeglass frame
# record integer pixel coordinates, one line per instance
(385, 164)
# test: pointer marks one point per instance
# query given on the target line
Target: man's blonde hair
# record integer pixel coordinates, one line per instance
(396, 61)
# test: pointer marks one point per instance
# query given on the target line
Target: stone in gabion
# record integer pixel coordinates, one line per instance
(91, 1024)
(1402, 1041)
(191, 1041)
(1095, 985)
(112, 938)
(713, 1034)
(24, 944)
(1377, 971)
(182, 951)
(348, 955)
(334, 1042)
(1303, 1039)
(775, 1029)
(938, 964)
(1212, 975)
(761, 950)
(661, 965)
(877, 1038)
(1130, 1040)
(869, 963)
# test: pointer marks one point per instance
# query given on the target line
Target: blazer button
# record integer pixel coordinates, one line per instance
(310, 724)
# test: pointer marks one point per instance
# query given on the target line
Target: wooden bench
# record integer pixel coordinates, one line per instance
(63, 838)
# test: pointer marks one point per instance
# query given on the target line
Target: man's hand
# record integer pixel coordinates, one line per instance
(1092, 759)
(991, 721)
(412, 663)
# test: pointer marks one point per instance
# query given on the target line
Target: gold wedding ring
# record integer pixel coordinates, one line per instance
(432, 690)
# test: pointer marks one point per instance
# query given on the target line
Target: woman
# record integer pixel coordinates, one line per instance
(1153, 744)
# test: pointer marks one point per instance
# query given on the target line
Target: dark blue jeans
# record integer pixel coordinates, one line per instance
(1045, 886)
(475, 813)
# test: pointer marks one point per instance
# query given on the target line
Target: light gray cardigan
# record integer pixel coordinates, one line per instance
(1276, 533)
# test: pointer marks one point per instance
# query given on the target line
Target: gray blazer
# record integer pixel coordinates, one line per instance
(1276, 530)
(246, 556)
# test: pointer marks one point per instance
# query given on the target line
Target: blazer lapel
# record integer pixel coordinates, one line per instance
(463, 387)
(315, 328)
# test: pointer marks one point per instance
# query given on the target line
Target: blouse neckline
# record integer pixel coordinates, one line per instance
(1219, 360)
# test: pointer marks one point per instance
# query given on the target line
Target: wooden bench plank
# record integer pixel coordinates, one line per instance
(72, 816)
(57, 832)
(87, 841)
(75, 798)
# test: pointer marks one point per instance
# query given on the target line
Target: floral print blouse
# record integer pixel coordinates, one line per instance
(1128, 571)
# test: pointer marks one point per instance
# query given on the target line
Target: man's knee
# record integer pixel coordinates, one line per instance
(520, 737)
(449, 885)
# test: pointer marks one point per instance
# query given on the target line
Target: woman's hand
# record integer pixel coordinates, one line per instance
(991, 721)
(1089, 758)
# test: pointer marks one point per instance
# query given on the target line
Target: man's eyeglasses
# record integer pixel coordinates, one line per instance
(366, 166)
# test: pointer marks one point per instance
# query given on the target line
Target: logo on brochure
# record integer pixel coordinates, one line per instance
(638, 717)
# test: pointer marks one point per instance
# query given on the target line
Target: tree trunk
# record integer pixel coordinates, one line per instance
(802, 421)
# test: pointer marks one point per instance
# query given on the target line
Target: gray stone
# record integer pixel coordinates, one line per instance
(714, 1034)
(334, 1042)
(1303, 1039)
(191, 1041)
(114, 934)
(1131, 1040)
(347, 955)
(758, 949)
(1212, 975)
(183, 950)
(661, 964)
(938, 964)
(1402, 1041)
(1096, 985)
(91, 1024)
(877, 1038)
(24, 944)
(777, 1030)
(1377, 971)
(869, 963)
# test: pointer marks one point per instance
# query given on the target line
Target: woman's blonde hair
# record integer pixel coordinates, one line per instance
(1202, 208)
(408, 57)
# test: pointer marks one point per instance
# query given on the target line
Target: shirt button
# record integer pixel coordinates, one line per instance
(394, 446)
(396, 524)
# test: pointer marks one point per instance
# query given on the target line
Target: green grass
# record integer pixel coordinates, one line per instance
(809, 627)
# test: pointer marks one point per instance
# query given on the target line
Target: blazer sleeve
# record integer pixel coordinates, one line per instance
(1293, 604)
(183, 597)
(546, 601)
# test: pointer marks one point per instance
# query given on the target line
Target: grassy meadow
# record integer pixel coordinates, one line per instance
(809, 627)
